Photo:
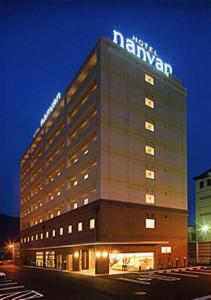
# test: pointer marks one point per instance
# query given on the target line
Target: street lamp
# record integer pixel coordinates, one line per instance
(12, 249)
(205, 228)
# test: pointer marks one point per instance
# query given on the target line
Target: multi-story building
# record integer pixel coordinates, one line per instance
(203, 217)
(104, 183)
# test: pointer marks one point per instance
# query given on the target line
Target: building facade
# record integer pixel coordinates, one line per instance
(104, 181)
(203, 217)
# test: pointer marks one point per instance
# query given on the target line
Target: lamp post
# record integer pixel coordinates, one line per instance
(12, 249)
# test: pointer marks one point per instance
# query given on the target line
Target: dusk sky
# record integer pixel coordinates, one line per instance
(43, 44)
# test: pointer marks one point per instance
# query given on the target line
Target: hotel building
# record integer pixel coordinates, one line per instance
(104, 181)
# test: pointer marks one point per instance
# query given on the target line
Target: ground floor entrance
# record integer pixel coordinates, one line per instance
(131, 261)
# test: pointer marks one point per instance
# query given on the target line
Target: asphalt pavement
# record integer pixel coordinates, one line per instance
(23, 283)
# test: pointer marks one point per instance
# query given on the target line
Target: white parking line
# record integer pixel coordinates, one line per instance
(22, 295)
(196, 272)
(5, 284)
(203, 298)
(134, 280)
(164, 278)
(182, 274)
(12, 287)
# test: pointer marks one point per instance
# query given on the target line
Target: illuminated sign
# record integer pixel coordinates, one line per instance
(143, 51)
(50, 109)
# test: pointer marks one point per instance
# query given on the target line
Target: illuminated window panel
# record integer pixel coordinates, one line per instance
(91, 223)
(86, 201)
(47, 234)
(58, 213)
(150, 174)
(149, 79)
(70, 229)
(41, 236)
(150, 199)
(53, 233)
(32, 238)
(80, 226)
(61, 231)
(165, 249)
(150, 223)
(86, 176)
(149, 102)
(36, 237)
(75, 205)
(149, 150)
(75, 183)
(149, 126)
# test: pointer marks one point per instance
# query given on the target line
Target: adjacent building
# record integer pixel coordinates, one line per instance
(104, 181)
(203, 217)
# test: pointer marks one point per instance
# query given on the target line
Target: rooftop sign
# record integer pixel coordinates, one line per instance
(50, 109)
(143, 51)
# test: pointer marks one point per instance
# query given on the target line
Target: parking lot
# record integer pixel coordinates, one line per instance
(10, 289)
(31, 283)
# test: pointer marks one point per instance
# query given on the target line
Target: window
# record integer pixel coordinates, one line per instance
(149, 126)
(201, 184)
(149, 223)
(75, 160)
(59, 193)
(150, 174)
(58, 213)
(91, 223)
(36, 237)
(86, 176)
(86, 201)
(53, 232)
(61, 230)
(40, 220)
(75, 205)
(208, 182)
(80, 226)
(41, 236)
(165, 249)
(47, 234)
(75, 183)
(149, 102)
(21, 241)
(32, 238)
(150, 150)
(149, 198)
(51, 215)
(86, 152)
(149, 79)
(70, 229)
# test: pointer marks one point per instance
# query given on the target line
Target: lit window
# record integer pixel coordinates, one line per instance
(150, 174)
(36, 237)
(150, 150)
(70, 229)
(86, 201)
(75, 183)
(59, 193)
(149, 126)
(40, 220)
(53, 232)
(32, 238)
(86, 176)
(58, 213)
(35, 222)
(52, 197)
(86, 152)
(40, 203)
(41, 236)
(149, 79)
(150, 198)
(80, 226)
(149, 102)
(91, 223)
(51, 215)
(165, 249)
(75, 205)
(21, 241)
(24, 240)
(28, 239)
(75, 160)
(61, 231)
(150, 223)
(47, 234)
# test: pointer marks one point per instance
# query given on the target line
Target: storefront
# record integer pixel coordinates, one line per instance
(39, 259)
(131, 261)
